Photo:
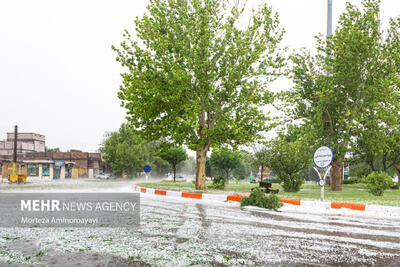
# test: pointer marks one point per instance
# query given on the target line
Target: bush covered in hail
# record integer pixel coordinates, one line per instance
(259, 199)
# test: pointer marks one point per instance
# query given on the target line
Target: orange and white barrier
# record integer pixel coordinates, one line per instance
(333, 205)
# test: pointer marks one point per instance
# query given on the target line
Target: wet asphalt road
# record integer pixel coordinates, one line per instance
(255, 237)
(186, 232)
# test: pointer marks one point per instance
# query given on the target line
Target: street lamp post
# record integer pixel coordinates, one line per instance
(329, 19)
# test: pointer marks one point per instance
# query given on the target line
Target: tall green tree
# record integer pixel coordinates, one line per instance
(226, 161)
(353, 71)
(124, 151)
(260, 159)
(174, 156)
(159, 166)
(198, 76)
(287, 159)
(378, 144)
(188, 166)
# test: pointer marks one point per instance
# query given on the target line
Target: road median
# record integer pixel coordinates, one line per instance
(326, 205)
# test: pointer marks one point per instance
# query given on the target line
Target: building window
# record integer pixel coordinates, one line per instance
(33, 170)
(45, 170)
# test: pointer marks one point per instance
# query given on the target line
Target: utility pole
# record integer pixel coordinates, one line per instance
(15, 143)
(14, 175)
(329, 19)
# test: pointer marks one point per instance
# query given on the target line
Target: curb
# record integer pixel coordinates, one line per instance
(201, 195)
(297, 202)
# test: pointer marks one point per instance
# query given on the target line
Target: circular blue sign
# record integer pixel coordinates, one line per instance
(22, 164)
(147, 168)
(323, 157)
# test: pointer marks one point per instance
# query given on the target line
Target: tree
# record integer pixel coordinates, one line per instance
(378, 143)
(378, 146)
(353, 72)
(197, 77)
(287, 159)
(209, 171)
(242, 171)
(188, 166)
(225, 160)
(159, 166)
(260, 159)
(125, 151)
(50, 150)
(174, 156)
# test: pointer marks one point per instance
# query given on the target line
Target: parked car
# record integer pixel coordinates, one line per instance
(105, 176)
(179, 178)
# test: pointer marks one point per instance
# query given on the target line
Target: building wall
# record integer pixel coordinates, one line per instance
(7, 169)
(27, 142)
(82, 162)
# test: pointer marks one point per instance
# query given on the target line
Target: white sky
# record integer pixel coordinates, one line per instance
(58, 74)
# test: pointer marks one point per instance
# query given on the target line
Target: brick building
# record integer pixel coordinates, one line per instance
(34, 162)
(53, 165)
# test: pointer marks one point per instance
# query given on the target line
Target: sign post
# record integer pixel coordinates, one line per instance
(322, 158)
(147, 170)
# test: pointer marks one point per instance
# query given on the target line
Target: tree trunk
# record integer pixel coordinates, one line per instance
(174, 173)
(336, 175)
(371, 164)
(227, 177)
(201, 157)
(384, 163)
(262, 171)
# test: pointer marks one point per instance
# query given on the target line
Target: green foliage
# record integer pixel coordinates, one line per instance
(174, 156)
(261, 158)
(188, 166)
(359, 169)
(47, 149)
(259, 199)
(378, 182)
(354, 180)
(159, 166)
(197, 76)
(125, 151)
(287, 159)
(225, 160)
(218, 183)
(292, 182)
(347, 94)
(209, 171)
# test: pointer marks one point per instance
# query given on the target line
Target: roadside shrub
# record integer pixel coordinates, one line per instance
(218, 183)
(353, 180)
(378, 182)
(259, 199)
(292, 182)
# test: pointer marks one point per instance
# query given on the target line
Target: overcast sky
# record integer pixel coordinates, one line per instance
(58, 75)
